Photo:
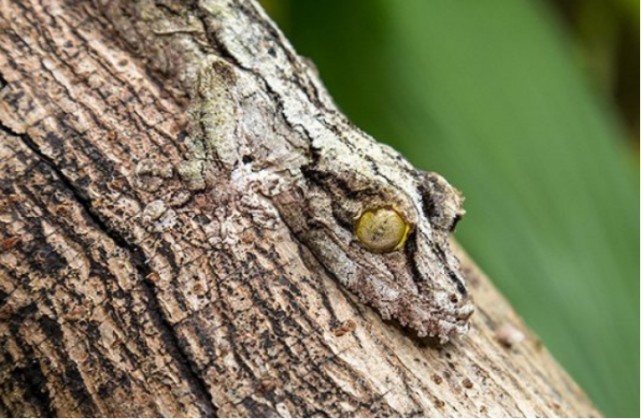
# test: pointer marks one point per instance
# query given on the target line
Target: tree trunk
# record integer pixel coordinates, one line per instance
(158, 255)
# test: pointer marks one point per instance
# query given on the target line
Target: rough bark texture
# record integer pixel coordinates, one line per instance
(150, 262)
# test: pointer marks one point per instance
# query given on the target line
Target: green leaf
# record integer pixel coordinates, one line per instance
(487, 93)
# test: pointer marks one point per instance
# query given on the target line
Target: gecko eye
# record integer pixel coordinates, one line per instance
(382, 230)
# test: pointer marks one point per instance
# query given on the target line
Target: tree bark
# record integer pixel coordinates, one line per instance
(147, 266)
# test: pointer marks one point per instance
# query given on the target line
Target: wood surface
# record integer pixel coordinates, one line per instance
(143, 273)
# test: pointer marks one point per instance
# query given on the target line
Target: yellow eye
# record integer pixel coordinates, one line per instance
(382, 230)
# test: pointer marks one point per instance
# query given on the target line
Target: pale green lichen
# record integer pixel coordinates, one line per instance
(213, 113)
(191, 172)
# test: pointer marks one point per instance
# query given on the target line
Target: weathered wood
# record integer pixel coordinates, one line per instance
(146, 269)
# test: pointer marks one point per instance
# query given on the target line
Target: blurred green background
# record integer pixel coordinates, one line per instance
(531, 108)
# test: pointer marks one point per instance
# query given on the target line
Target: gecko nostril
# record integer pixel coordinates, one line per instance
(453, 298)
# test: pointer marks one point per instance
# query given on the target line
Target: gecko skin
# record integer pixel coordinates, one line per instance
(320, 172)
(418, 282)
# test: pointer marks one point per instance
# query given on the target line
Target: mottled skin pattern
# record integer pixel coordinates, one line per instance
(321, 173)
(419, 284)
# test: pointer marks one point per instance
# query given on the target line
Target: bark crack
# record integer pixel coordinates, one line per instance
(139, 261)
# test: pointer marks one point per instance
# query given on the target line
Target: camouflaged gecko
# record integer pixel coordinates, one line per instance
(381, 229)
(376, 224)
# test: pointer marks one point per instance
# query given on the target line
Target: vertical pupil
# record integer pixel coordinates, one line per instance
(380, 229)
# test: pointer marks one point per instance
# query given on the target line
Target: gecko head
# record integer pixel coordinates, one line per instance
(388, 243)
